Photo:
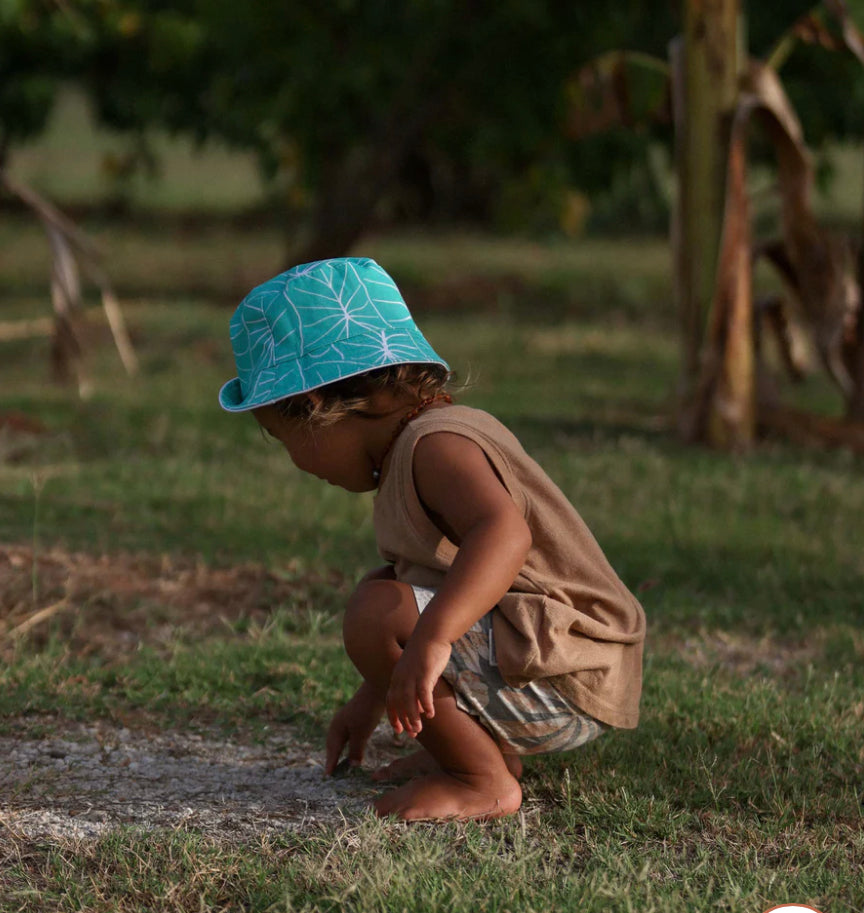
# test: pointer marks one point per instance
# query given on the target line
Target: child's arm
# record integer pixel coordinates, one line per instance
(457, 484)
(352, 725)
(355, 721)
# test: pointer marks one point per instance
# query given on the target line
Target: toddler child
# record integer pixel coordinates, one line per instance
(497, 627)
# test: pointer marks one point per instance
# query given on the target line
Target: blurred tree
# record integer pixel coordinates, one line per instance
(351, 99)
(41, 43)
(718, 91)
(712, 251)
(432, 107)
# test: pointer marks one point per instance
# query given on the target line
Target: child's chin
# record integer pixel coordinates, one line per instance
(353, 487)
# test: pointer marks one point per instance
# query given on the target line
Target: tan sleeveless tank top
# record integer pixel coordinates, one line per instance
(567, 617)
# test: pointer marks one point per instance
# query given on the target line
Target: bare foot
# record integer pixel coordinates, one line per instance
(421, 763)
(442, 797)
(514, 765)
(418, 764)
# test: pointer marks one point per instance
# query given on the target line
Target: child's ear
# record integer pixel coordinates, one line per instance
(311, 402)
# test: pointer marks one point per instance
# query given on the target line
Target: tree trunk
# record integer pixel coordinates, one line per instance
(347, 202)
(855, 403)
(355, 183)
(727, 410)
(705, 70)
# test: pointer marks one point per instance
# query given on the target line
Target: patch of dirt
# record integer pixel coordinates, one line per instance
(744, 655)
(66, 780)
(21, 436)
(110, 604)
(84, 780)
(14, 422)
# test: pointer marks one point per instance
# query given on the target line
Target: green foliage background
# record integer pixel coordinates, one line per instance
(438, 110)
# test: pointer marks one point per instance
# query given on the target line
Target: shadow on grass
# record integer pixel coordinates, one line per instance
(757, 591)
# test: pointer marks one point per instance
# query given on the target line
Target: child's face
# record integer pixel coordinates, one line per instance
(335, 453)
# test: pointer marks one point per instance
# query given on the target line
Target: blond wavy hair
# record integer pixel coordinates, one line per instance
(355, 395)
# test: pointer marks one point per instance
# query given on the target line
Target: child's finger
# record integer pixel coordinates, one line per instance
(413, 727)
(419, 717)
(356, 749)
(404, 722)
(398, 704)
(335, 744)
(409, 723)
(393, 717)
(415, 714)
(427, 703)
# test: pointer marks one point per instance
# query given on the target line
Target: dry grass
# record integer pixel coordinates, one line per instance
(114, 604)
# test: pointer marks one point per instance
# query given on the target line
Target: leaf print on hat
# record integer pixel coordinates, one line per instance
(316, 324)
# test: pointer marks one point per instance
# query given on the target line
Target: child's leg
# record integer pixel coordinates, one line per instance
(473, 780)
(421, 762)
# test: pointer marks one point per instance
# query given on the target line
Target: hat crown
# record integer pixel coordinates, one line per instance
(316, 323)
(310, 307)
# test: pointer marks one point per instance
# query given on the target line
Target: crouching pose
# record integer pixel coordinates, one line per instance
(497, 628)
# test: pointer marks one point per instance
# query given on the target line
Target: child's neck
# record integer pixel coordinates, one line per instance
(401, 412)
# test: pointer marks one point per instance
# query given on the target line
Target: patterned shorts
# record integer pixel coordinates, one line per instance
(535, 719)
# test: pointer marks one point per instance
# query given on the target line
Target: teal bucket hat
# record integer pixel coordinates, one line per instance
(316, 324)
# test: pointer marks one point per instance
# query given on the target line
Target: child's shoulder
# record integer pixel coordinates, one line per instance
(477, 424)
(457, 414)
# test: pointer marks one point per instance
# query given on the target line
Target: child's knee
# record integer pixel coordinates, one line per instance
(379, 618)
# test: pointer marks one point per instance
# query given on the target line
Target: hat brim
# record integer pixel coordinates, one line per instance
(326, 366)
(231, 396)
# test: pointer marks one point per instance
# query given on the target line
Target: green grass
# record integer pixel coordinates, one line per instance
(741, 789)
(495, 868)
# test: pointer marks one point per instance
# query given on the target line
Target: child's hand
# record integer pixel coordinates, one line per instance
(411, 685)
(352, 726)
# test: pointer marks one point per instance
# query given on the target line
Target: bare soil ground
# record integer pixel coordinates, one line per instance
(62, 779)
(79, 781)
(110, 604)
